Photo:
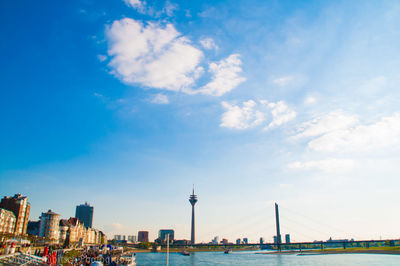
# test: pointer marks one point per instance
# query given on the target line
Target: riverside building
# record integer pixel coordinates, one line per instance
(20, 206)
(84, 213)
(49, 226)
(7, 221)
(143, 236)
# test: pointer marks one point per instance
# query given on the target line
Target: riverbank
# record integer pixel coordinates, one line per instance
(372, 250)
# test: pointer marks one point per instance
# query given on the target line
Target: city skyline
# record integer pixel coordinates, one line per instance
(125, 104)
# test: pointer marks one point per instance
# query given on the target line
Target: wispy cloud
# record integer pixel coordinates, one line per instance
(281, 114)
(383, 134)
(102, 57)
(139, 5)
(253, 113)
(326, 165)
(282, 81)
(160, 99)
(208, 43)
(338, 131)
(332, 121)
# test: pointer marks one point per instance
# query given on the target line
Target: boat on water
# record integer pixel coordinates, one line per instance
(228, 251)
(185, 253)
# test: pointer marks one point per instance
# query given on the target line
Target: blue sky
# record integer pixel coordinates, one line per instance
(126, 104)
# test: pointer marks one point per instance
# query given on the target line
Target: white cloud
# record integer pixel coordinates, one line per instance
(254, 113)
(160, 99)
(326, 165)
(226, 76)
(101, 57)
(152, 55)
(332, 121)
(383, 134)
(160, 57)
(208, 43)
(310, 100)
(282, 81)
(241, 117)
(281, 114)
(139, 5)
(170, 8)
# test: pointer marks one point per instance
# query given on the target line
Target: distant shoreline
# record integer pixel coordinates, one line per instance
(331, 252)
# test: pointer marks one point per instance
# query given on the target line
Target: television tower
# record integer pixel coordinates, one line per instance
(192, 200)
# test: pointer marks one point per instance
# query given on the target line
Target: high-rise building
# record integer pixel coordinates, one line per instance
(238, 241)
(7, 221)
(49, 226)
(287, 238)
(215, 240)
(20, 206)
(84, 213)
(143, 236)
(118, 237)
(162, 235)
(33, 228)
(245, 240)
(262, 240)
(132, 239)
(192, 200)
(275, 240)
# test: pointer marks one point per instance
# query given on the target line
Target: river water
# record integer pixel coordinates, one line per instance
(251, 258)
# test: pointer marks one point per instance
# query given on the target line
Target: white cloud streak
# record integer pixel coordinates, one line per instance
(160, 99)
(341, 132)
(281, 114)
(253, 113)
(383, 134)
(332, 121)
(208, 43)
(139, 5)
(326, 165)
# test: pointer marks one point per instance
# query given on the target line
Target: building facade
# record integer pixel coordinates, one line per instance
(287, 238)
(84, 213)
(7, 221)
(132, 239)
(74, 233)
(49, 226)
(20, 206)
(143, 236)
(33, 228)
(162, 235)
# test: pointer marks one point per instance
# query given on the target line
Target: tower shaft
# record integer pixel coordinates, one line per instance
(278, 231)
(192, 238)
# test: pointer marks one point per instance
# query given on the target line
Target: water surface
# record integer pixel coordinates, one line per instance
(250, 259)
